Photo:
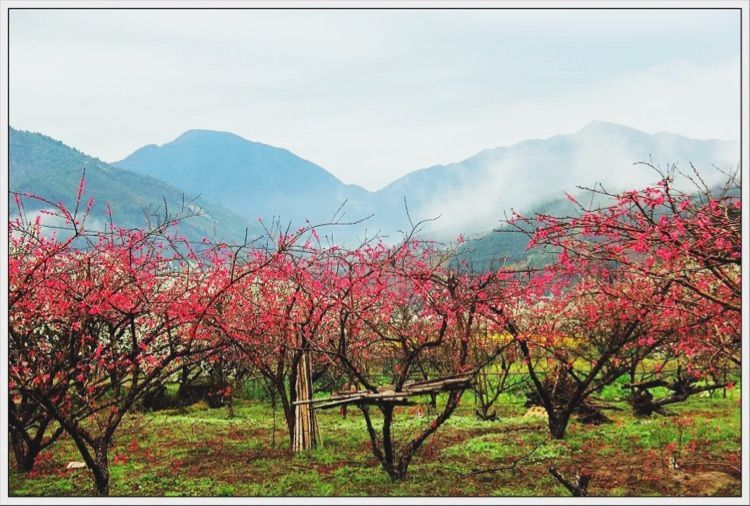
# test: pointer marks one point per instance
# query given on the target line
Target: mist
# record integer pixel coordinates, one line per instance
(535, 172)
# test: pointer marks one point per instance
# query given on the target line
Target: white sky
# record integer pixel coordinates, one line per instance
(370, 95)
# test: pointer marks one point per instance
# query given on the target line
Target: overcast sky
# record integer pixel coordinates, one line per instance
(370, 95)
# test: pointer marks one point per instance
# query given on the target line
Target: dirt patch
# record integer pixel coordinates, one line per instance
(705, 483)
(630, 472)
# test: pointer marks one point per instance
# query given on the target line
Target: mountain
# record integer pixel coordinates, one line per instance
(239, 180)
(257, 180)
(252, 179)
(47, 167)
(507, 245)
(473, 194)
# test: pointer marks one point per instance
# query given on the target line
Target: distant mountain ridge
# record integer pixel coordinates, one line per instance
(472, 194)
(252, 179)
(47, 167)
(239, 180)
(257, 180)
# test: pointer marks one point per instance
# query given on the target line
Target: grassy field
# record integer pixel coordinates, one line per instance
(203, 452)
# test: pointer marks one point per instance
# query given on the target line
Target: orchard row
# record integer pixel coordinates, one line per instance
(100, 319)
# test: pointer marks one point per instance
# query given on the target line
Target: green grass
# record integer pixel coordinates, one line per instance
(203, 452)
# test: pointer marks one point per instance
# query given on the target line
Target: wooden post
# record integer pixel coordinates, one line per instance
(305, 425)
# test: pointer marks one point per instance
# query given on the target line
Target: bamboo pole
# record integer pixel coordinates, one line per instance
(306, 435)
(457, 382)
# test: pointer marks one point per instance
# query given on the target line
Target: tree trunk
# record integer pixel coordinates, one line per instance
(388, 462)
(485, 415)
(184, 378)
(19, 448)
(386, 452)
(286, 407)
(305, 425)
(25, 453)
(101, 469)
(433, 400)
(26, 449)
(558, 423)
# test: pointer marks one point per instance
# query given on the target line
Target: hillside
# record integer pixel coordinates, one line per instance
(239, 181)
(252, 179)
(47, 167)
(257, 180)
(472, 195)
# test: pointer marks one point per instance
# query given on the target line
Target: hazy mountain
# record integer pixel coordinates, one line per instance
(252, 179)
(257, 180)
(49, 168)
(473, 194)
(507, 245)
